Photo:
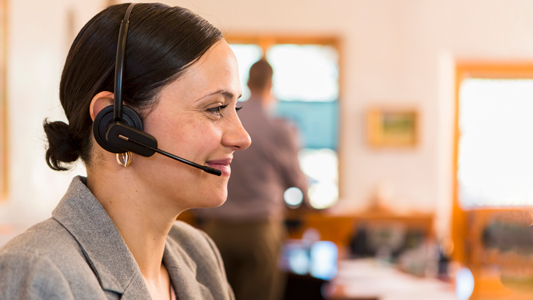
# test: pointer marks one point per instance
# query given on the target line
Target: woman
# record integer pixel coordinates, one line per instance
(113, 235)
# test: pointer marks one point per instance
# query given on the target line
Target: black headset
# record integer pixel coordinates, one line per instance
(119, 128)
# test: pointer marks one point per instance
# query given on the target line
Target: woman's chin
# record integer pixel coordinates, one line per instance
(220, 203)
(214, 200)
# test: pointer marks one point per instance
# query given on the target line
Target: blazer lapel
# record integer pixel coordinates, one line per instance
(182, 271)
(100, 241)
(136, 290)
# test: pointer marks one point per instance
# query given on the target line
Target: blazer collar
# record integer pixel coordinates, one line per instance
(182, 271)
(100, 241)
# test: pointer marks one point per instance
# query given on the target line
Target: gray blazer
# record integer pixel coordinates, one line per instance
(80, 254)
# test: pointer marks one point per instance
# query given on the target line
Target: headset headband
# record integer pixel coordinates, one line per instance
(119, 64)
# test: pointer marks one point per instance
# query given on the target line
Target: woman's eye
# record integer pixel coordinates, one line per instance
(217, 110)
(238, 108)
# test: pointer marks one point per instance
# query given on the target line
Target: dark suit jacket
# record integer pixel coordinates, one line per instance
(80, 254)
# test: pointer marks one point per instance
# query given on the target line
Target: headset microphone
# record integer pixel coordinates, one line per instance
(119, 129)
(155, 149)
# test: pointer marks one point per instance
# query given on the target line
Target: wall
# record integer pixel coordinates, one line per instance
(394, 52)
(38, 41)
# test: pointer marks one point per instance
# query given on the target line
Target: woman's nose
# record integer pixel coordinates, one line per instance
(237, 137)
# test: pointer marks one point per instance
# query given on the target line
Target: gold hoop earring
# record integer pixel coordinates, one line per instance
(124, 159)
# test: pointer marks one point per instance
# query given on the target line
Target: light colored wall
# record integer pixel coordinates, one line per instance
(395, 52)
(38, 41)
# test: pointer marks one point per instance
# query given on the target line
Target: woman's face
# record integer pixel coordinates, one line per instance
(195, 119)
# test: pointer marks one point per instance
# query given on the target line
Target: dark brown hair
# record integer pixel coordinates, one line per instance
(162, 42)
(260, 75)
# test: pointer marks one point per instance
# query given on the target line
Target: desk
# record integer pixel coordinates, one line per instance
(339, 228)
(368, 279)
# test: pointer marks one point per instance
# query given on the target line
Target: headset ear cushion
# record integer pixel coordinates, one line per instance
(105, 118)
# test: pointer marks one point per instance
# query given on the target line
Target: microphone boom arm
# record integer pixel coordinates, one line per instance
(190, 163)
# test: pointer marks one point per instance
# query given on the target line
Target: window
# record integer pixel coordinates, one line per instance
(305, 72)
(247, 55)
(493, 147)
(306, 84)
(495, 162)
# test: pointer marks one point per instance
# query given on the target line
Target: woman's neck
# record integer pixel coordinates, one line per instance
(143, 224)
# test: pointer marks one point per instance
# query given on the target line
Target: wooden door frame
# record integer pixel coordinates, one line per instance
(464, 70)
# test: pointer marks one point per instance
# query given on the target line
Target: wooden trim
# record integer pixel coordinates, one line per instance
(458, 215)
(268, 40)
(511, 70)
(271, 39)
(500, 70)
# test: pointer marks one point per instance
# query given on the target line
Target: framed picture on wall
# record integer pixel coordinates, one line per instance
(392, 127)
(3, 101)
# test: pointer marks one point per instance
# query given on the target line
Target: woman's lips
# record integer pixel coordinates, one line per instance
(221, 164)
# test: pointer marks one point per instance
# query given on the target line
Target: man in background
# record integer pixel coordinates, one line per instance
(248, 229)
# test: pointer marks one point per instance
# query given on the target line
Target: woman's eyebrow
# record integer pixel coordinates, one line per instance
(225, 93)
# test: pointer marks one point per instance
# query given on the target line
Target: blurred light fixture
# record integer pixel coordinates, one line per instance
(464, 284)
(293, 197)
(299, 261)
(324, 260)
(323, 195)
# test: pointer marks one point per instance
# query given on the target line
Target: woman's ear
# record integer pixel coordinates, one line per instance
(99, 102)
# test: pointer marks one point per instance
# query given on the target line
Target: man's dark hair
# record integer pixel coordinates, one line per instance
(260, 75)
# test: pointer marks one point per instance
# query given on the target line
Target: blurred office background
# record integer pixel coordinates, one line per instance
(414, 119)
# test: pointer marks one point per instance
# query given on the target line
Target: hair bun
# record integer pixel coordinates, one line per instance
(62, 149)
